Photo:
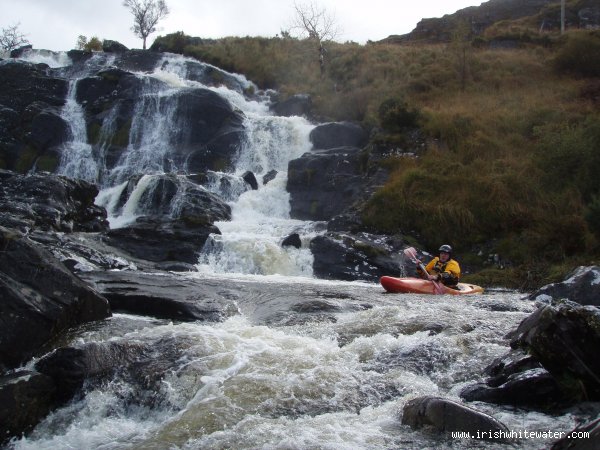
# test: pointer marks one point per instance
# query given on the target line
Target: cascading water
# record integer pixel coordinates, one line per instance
(77, 160)
(305, 364)
(251, 242)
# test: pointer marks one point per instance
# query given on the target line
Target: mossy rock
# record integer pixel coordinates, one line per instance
(47, 163)
(27, 158)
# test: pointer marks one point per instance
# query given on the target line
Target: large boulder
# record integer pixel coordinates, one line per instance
(210, 130)
(338, 134)
(162, 239)
(552, 363)
(581, 286)
(564, 338)
(49, 202)
(360, 256)
(31, 128)
(296, 105)
(40, 299)
(26, 397)
(109, 46)
(70, 367)
(533, 388)
(446, 416)
(324, 183)
(164, 295)
(177, 218)
(577, 440)
(205, 131)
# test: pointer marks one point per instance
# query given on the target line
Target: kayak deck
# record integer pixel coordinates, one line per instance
(420, 286)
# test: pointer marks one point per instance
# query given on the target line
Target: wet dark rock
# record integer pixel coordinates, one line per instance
(206, 137)
(85, 252)
(323, 183)
(109, 46)
(210, 132)
(249, 178)
(138, 60)
(70, 367)
(162, 295)
(180, 219)
(40, 299)
(296, 105)
(269, 176)
(361, 256)
(293, 240)
(553, 362)
(445, 416)
(574, 441)
(564, 338)
(512, 363)
(31, 128)
(50, 202)
(533, 388)
(18, 52)
(162, 239)
(338, 134)
(212, 76)
(349, 221)
(26, 397)
(175, 196)
(581, 286)
(23, 83)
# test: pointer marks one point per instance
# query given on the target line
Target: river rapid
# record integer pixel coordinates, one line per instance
(303, 363)
(306, 364)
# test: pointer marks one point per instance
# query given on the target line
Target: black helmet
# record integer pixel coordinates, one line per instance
(445, 248)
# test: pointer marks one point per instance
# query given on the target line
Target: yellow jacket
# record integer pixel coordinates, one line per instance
(451, 267)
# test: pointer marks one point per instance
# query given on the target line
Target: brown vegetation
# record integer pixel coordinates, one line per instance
(512, 162)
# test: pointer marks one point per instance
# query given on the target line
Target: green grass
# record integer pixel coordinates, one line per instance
(511, 162)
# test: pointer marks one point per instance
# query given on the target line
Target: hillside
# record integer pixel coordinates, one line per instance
(491, 149)
(514, 16)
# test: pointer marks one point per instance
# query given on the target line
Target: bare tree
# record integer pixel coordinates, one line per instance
(146, 14)
(316, 23)
(11, 38)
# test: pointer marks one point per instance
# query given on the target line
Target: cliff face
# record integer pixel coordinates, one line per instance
(545, 13)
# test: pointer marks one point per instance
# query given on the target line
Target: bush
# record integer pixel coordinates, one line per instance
(395, 115)
(579, 55)
(568, 155)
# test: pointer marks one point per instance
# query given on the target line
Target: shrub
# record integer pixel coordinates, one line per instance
(395, 115)
(94, 44)
(579, 55)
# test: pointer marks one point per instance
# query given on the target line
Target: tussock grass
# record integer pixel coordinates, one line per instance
(511, 164)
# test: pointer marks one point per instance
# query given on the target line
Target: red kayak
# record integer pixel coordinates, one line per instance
(420, 286)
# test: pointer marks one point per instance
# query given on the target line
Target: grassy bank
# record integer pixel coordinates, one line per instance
(511, 164)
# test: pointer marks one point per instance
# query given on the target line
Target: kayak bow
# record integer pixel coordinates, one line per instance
(420, 286)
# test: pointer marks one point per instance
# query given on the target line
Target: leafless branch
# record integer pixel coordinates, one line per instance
(146, 15)
(11, 38)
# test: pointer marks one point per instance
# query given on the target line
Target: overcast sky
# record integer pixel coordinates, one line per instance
(56, 24)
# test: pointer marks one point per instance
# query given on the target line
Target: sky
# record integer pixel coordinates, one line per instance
(56, 24)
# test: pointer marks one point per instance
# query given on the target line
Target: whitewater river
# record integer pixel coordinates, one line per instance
(306, 364)
(303, 363)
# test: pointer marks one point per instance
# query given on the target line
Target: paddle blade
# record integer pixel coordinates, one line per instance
(411, 253)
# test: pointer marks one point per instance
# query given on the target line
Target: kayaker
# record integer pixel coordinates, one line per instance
(442, 268)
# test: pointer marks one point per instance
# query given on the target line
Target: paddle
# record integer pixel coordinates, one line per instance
(411, 253)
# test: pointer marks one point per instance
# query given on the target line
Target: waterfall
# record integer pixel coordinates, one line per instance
(77, 160)
(251, 242)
